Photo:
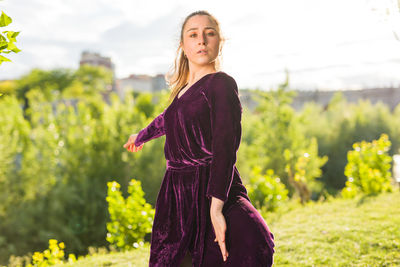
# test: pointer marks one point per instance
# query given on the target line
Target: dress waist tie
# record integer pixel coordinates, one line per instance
(175, 165)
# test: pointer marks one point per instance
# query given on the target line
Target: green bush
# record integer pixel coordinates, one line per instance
(266, 191)
(131, 218)
(303, 167)
(368, 168)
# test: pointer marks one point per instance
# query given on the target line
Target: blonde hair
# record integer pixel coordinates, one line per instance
(177, 76)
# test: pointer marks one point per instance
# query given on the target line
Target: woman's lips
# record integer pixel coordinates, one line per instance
(203, 52)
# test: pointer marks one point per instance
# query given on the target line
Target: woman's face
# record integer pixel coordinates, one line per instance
(200, 40)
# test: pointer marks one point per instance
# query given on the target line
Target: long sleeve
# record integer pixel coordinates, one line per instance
(225, 113)
(153, 130)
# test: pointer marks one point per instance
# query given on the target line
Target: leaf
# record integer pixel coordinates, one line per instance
(2, 59)
(11, 36)
(4, 19)
(12, 47)
(15, 34)
(3, 45)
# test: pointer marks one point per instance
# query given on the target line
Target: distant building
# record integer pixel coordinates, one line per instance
(159, 82)
(95, 59)
(134, 82)
(389, 96)
(141, 83)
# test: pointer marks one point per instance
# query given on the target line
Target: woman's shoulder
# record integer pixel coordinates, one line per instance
(220, 82)
(222, 77)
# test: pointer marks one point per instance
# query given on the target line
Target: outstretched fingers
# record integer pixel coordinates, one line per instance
(130, 144)
(132, 148)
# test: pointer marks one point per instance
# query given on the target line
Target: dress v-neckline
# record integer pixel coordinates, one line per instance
(187, 90)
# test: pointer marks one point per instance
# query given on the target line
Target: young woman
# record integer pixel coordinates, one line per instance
(202, 207)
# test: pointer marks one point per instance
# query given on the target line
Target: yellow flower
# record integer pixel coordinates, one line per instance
(47, 253)
(71, 258)
(52, 242)
(37, 257)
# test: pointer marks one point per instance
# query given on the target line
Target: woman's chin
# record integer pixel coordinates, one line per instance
(204, 62)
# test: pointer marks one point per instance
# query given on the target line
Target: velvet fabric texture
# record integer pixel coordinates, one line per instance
(203, 132)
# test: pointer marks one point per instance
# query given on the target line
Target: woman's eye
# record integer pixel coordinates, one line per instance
(194, 34)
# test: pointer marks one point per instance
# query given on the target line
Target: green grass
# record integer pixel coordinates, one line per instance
(358, 232)
(135, 258)
(361, 232)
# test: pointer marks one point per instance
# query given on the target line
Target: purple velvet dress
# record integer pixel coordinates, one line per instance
(203, 132)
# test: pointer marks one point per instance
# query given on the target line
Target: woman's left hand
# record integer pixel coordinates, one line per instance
(219, 224)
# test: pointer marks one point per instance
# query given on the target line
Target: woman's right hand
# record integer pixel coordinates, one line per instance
(130, 145)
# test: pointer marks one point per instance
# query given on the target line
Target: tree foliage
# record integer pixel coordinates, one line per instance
(56, 163)
(275, 138)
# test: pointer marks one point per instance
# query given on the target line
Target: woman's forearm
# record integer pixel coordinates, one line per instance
(216, 205)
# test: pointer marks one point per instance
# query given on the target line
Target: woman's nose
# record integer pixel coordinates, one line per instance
(202, 39)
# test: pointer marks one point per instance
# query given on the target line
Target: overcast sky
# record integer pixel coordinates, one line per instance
(325, 44)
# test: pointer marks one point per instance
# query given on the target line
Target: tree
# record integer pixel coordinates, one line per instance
(278, 141)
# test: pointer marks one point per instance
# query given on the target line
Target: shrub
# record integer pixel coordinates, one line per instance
(266, 191)
(368, 168)
(303, 166)
(131, 218)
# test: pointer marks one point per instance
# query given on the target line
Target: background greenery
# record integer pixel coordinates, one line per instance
(61, 142)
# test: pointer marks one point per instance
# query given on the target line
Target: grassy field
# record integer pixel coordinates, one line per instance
(337, 232)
